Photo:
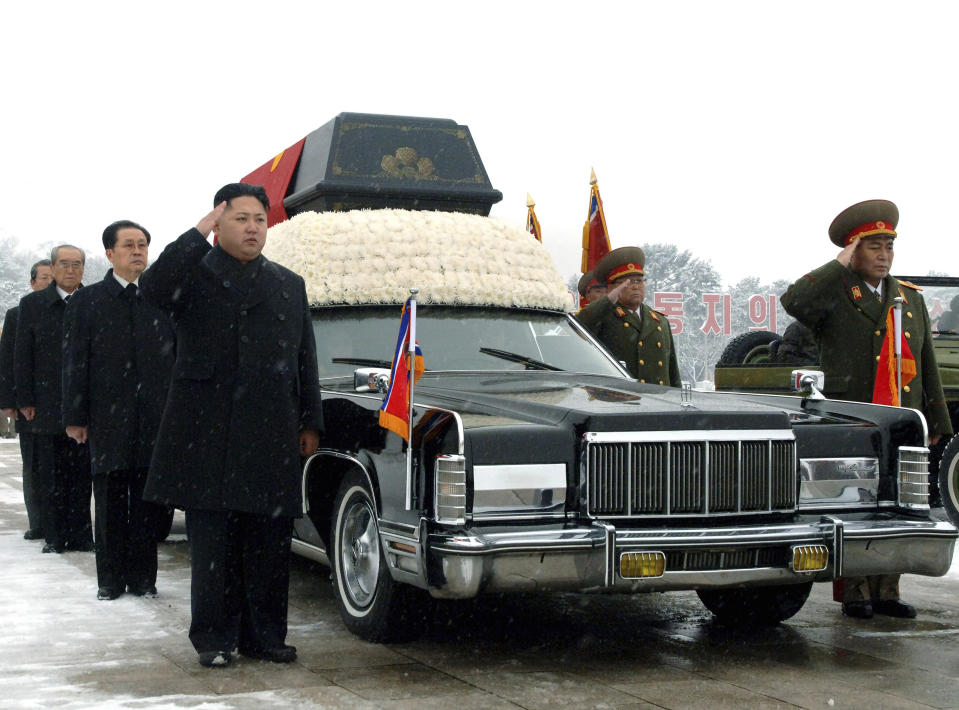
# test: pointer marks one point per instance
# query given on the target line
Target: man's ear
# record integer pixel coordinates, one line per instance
(109, 255)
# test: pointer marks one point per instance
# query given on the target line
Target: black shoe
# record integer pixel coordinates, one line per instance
(895, 607)
(108, 593)
(857, 610)
(143, 590)
(33, 534)
(85, 546)
(281, 654)
(49, 547)
(214, 659)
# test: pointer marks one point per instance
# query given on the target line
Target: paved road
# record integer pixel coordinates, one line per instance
(62, 648)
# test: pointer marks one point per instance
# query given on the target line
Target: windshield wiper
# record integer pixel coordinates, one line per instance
(529, 362)
(363, 361)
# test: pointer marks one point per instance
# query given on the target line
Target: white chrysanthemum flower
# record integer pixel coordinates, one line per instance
(376, 256)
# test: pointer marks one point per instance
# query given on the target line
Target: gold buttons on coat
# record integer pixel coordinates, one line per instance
(642, 380)
(877, 358)
(625, 325)
(640, 343)
(908, 314)
(877, 332)
(659, 345)
(659, 328)
(907, 334)
(660, 364)
(642, 362)
(905, 388)
(660, 382)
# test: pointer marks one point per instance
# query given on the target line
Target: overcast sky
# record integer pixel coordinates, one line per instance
(734, 129)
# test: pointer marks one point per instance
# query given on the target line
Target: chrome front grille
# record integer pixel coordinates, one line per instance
(715, 475)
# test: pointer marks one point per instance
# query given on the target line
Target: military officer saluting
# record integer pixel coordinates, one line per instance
(845, 303)
(633, 332)
(590, 289)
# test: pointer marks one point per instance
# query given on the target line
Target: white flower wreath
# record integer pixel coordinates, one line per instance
(376, 256)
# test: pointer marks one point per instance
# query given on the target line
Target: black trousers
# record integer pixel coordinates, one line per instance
(64, 483)
(125, 530)
(31, 498)
(239, 589)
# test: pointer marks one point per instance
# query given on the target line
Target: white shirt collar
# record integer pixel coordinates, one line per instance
(63, 294)
(124, 282)
(875, 289)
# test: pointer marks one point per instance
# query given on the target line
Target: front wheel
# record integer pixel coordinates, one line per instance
(758, 606)
(372, 605)
(949, 479)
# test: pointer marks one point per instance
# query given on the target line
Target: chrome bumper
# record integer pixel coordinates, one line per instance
(587, 558)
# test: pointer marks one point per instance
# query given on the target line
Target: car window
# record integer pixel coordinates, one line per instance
(452, 339)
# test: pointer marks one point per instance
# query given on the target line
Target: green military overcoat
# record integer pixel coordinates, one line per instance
(849, 325)
(646, 346)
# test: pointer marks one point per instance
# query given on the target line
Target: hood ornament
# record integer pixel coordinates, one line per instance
(686, 395)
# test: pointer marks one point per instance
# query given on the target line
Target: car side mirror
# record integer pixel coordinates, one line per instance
(371, 379)
(810, 382)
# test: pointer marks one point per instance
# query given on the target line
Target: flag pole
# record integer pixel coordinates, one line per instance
(897, 332)
(411, 381)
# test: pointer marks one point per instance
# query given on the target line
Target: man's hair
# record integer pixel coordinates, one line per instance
(53, 253)
(110, 233)
(35, 269)
(239, 189)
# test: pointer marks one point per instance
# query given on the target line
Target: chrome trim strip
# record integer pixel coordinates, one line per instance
(516, 476)
(340, 455)
(525, 516)
(628, 437)
(398, 529)
(312, 552)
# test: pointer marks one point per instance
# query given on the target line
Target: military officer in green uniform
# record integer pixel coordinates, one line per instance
(845, 303)
(633, 332)
(590, 289)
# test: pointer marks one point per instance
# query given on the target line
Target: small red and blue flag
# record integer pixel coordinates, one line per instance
(395, 411)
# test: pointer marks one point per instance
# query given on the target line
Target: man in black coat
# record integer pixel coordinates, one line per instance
(243, 407)
(61, 466)
(41, 274)
(118, 353)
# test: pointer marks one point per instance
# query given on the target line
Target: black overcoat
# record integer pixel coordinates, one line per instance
(244, 385)
(118, 354)
(8, 396)
(38, 359)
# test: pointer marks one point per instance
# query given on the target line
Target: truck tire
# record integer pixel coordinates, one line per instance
(758, 606)
(949, 480)
(746, 348)
(372, 605)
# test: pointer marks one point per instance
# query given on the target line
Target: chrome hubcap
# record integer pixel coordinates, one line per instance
(360, 553)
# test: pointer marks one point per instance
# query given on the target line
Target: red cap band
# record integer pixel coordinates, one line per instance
(870, 230)
(623, 271)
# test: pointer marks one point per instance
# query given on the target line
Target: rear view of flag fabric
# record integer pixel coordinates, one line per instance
(595, 235)
(886, 389)
(395, 411)
(532, 224)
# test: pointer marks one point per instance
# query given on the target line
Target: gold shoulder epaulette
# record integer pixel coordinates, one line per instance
(909, 284)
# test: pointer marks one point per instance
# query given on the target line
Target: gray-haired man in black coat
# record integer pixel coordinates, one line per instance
(243, 407)
(118, 353)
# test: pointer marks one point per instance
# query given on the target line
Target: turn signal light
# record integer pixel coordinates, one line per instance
(810, 558)
(636, 565)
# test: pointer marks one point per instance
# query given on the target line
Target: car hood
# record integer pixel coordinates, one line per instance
(594, 402)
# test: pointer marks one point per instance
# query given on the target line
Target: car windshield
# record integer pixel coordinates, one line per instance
(462, 338)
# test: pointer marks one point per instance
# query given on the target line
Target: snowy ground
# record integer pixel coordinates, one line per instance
(62, 648)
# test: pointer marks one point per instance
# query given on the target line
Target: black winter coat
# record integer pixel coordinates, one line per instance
(8, 397)
(38, 359)
(244, 385)
(118, 354)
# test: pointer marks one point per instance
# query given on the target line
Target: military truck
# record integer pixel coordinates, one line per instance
(763, 362)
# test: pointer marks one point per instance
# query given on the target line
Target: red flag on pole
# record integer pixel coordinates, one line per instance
(395, 411)
(886, 389)
(595, 234)
(532, 224)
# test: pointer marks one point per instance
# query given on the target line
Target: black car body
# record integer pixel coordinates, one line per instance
(537, 464)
